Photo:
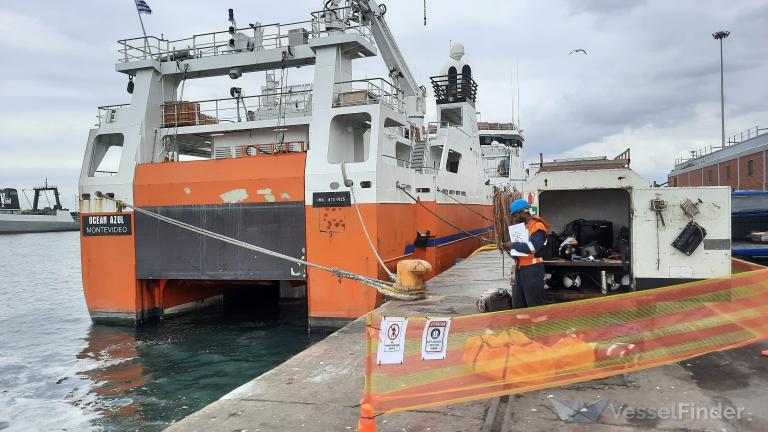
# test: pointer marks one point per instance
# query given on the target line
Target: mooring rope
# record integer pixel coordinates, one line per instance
(391, 275)
(418, 201)
(386, 288)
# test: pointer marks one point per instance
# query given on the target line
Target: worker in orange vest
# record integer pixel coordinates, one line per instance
(528, 290)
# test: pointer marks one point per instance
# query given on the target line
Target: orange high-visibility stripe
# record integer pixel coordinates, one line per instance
(671, 314)
(600, 305)
(453, 355)
(532, 226)
(663, 326)
(661, 342)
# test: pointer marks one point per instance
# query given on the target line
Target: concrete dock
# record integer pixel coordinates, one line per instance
(320, 388)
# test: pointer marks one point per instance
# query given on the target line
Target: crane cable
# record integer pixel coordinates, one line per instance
(386, 288)
(418, 201)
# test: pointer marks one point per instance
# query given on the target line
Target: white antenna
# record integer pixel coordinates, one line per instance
(517, 73)
(512, 87)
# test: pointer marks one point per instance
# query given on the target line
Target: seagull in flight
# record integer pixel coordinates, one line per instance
(578, 50)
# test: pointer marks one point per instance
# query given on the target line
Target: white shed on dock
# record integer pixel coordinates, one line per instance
(658, 236)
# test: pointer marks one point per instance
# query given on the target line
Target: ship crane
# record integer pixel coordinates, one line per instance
(415, 95)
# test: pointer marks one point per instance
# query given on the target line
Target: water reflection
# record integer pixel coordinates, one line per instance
(60, 372)
(145, 378)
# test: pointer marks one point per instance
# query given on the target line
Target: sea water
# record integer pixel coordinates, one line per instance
(60, 372)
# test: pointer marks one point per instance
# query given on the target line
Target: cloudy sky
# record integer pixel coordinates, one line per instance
(650, 80)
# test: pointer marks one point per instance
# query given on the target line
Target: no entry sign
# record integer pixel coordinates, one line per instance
(391, 340)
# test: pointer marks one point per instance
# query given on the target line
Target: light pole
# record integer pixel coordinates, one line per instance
(720, 36)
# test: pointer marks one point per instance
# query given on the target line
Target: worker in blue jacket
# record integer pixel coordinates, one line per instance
(529, 272)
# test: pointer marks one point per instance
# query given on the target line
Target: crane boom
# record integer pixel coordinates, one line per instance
(393, 58)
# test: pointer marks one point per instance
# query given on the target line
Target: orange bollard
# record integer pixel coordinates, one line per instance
(366, 422)
(410, 276)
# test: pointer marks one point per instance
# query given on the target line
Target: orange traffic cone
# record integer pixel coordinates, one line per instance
(366, 422)
(765, 353)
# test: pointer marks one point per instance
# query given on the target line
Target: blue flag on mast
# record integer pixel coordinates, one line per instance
(143, 7)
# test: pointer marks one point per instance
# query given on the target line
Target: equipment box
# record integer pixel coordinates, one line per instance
(606, 205)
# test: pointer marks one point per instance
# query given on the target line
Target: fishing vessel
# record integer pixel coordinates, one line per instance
(340, 171)
(53, 217)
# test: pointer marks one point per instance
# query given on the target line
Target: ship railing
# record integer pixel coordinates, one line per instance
(487, 126)
(394, 161)
(497, 172)
(235, 110)
(258, 37)
(396, 132)
(740, 137)
(434, 126)
(367, 92)
(108, 113)
(141, 48)
(454, 88)
(344, 19)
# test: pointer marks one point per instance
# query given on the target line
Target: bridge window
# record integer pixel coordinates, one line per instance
(751, 167)
(450, 116)
(452, 164)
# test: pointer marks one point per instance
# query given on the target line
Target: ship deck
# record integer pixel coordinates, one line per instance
(320, 388)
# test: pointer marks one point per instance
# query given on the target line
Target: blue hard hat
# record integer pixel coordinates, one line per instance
(518, 205)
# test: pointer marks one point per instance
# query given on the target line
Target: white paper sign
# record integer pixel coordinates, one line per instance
(392, 340)
(518, 233)
(434, 341)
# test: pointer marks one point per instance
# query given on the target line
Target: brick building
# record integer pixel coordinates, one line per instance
(740, 165)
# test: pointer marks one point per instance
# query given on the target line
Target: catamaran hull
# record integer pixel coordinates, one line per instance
(123, 282)
(136, 267)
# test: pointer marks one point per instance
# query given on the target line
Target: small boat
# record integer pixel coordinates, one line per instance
(14, 220)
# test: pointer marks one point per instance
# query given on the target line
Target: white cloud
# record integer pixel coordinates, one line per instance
(650, 80)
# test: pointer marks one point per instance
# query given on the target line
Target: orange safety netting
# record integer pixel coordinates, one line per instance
(514, 351)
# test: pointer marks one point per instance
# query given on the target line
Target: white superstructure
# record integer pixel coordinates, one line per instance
(283, 168)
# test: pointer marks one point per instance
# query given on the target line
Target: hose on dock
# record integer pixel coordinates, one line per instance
(387, 289)
(488, 247)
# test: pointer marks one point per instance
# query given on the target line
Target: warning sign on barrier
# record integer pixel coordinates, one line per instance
(434, 341)
(391, 346)
(515, 351)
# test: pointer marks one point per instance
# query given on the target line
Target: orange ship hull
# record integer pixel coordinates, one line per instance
(158, 268)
